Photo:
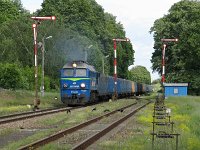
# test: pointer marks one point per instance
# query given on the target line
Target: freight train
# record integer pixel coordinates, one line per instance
(80, 84)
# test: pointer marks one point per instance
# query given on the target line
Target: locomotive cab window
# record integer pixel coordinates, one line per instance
(81, 72)
(68, 72)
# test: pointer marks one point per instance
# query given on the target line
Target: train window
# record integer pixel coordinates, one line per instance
(80, 72)
(68, 72)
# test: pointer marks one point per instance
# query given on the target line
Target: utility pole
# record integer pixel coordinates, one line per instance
(35, 26)
(103, 62)
(115, 64)
(43, 50)
(42, 81)
(85, 50)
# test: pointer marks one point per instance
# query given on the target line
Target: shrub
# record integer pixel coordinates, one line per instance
(13, 76)
(28, 79)
(10, 76)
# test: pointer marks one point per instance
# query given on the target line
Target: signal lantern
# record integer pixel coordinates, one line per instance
(34, 25)
(53, 17)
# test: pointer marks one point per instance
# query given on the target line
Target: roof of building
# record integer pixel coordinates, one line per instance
(175, 84)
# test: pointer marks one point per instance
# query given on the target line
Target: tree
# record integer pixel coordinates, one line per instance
(140, 74)
(15, 33)
(9, 10)
(182, 59)
(79, 24)
(88, 19)
(156, 81)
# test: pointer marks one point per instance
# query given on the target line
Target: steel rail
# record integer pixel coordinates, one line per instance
(94, 138)
(62, 133)
(33, 112)
(26, 113)
(36, 115)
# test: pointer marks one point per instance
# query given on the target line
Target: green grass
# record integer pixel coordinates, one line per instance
(80, 116)
(187, 117)
(4, 132)
(19, 101)
(57, 146)
(157, 87)
(185, 114)
(30, 139)
(62, 121)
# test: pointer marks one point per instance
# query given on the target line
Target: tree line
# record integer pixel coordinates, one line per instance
(182, 58)
(82, 29)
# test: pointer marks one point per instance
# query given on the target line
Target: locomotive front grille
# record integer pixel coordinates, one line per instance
(74, 96)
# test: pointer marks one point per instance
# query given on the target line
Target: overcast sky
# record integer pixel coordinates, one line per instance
(137, 17)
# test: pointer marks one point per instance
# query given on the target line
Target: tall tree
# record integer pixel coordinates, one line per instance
(140, 74)
(182, 59)
(88, 19)
(81, 27)
(15, 33)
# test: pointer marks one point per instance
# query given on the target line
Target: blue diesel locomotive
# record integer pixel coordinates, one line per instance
(81, 84)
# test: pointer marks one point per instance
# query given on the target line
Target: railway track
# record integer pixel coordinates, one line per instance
(91, 139)
(27, 115)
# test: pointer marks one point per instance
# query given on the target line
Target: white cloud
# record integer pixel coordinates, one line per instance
(32, 5)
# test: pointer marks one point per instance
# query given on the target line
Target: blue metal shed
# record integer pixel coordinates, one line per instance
(175, 89)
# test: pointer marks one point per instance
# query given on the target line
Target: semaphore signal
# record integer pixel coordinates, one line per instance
(34, 26)
(115, 63)
(163, 56)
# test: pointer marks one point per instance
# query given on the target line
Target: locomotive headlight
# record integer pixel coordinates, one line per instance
(74, 65)
(82, 85)
(65, 85)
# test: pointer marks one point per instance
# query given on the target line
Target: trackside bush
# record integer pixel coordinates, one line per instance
(13, 76)
(10, 76)
(28, 78)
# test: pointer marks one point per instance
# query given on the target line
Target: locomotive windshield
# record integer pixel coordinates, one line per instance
(68, 72)
(79, 72)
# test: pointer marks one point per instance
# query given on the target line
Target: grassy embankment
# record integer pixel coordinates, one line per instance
(61, 121)
(185, 114)
(19, 101)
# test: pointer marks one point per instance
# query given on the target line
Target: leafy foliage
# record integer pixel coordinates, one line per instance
(15, 33)
(140, 74)
(79, 24)
(13, 76)
(10, 76)
(86, 21)
(182, 59)
(157, 81)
